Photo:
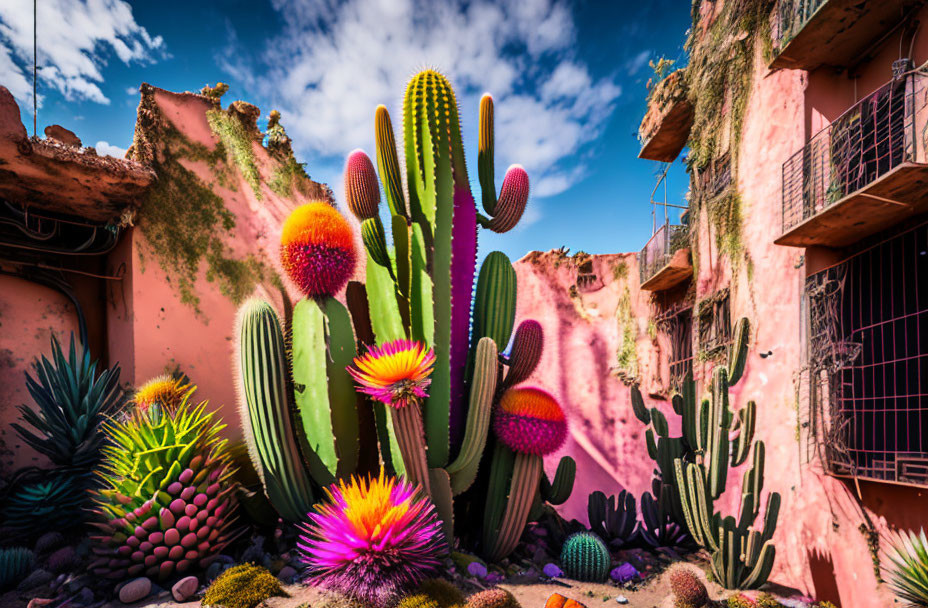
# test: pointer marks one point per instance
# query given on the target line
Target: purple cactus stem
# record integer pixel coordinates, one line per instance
(166, 569)
(167, 518)
(203, 532)
(189, 540)
(151, 523)
(133, 541)
(187, 493)
(124, 550)
(202, 515)
(135, 570)
(161, 552)
(141, 532)
(463, 264)
(211, 504)
(201, 499)
(177, 506)
(211, 520)
(176, 552)
(191, 510)
(186, 476)
(156, 538)
(151, 560)
(130, 517)
(183, 524)
(175, 488)
(137, 556)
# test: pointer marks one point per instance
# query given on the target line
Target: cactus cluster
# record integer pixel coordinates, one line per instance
(418, 290)
(584, 557)
(166, 504)
(614, 519)
(694, 468)
(493, 598)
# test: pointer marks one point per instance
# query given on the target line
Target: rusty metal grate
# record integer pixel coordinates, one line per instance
(789, 19)
(667, 240)
(868, 358)
(679, 327)
(714, 318)
(874, 136)
(716, 178)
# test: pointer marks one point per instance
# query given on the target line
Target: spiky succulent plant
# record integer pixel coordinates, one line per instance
(317, 249)
(906, 565)
(374, 539)
(73, 400)
(166, 505)
(42, 501)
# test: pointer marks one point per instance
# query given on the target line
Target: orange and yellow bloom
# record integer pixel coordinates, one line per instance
(396, 373)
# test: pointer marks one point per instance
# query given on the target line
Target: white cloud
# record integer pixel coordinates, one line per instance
(132, 90)
(104, 148)
(637, 62)
(74, 39)
(336, 61)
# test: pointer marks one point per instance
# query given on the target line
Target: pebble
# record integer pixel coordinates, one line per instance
(286, 574)
(185, 588)
(552, 570)
(621, 599)
(62, 559)
(134, 590)
(48, 541)
(623, 573)
(477, 569)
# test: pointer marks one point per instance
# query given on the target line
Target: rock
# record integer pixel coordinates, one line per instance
(36, 578)
(62, 559)
(494, 578)
(62, 136)
(213, 570)
(287, 574)
(552, 570)
(477, 570)
(38, 602)
(621, 599)
(48, 541)
(85, 596)
(185, 588)
(134, 590)
(623, 573)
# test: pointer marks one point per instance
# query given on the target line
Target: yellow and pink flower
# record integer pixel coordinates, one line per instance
(396, 373)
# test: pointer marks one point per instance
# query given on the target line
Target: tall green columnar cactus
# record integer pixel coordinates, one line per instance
(742, 555)
(421, 287)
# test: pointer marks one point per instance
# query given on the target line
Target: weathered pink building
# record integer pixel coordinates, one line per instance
(805, 124)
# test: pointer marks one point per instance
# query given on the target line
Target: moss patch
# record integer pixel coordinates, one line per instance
(233, 136)
(627, 354)
(289, 175)
(243, 586)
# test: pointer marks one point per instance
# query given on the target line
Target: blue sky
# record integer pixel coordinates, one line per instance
(568, 79)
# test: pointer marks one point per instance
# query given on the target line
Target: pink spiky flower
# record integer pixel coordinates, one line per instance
(374, 539)
(531, 421)
(396, 373)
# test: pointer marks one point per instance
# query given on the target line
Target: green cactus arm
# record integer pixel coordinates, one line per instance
(688, 501)
(463, 470)
(558, 491)
(323, 347)
(526, 473)
(746, 421)
(388, 163)
(266, 421)
(501, 465)
(596, 504)
(651, 443)
(443, 498)
(702, 436)
(668, 450)
(738, 351)
(762, 568)
(704, 506)
(485, 170)
(638, 407)
(771, 515)
(420, 290)
(384, 306)
(659, 422)
(375, 242)
(495, 299)
(403, 261)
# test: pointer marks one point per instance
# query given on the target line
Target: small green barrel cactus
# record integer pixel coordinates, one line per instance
(15, 564)
(584, 557)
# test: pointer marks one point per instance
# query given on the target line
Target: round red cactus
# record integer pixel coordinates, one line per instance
(361, 189)
(530, 420)
(317, 249)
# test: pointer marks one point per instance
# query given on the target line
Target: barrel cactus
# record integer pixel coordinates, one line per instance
(15, 564)
(688, 590)
(167, 501)
(493, 598)
(584, 557)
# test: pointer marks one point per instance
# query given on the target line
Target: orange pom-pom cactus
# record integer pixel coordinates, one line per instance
(317, 249)
(530, 421)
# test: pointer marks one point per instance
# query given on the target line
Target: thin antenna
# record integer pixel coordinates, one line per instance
(35, 65)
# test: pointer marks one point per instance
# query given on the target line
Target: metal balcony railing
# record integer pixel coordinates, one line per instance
(876, 135)
(667, 240)
(789, 19)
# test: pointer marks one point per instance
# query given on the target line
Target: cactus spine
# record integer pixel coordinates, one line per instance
(584, 557)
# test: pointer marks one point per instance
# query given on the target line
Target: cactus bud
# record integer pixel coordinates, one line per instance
(513, 197)
(526, 352)
(361, 189)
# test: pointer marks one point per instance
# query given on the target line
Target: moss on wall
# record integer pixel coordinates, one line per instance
(627, 354)
(288, 176)
(236, 140)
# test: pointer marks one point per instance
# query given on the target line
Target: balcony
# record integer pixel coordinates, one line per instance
(808, 34)
(863, 173)
(665, 261)
(666, 126)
